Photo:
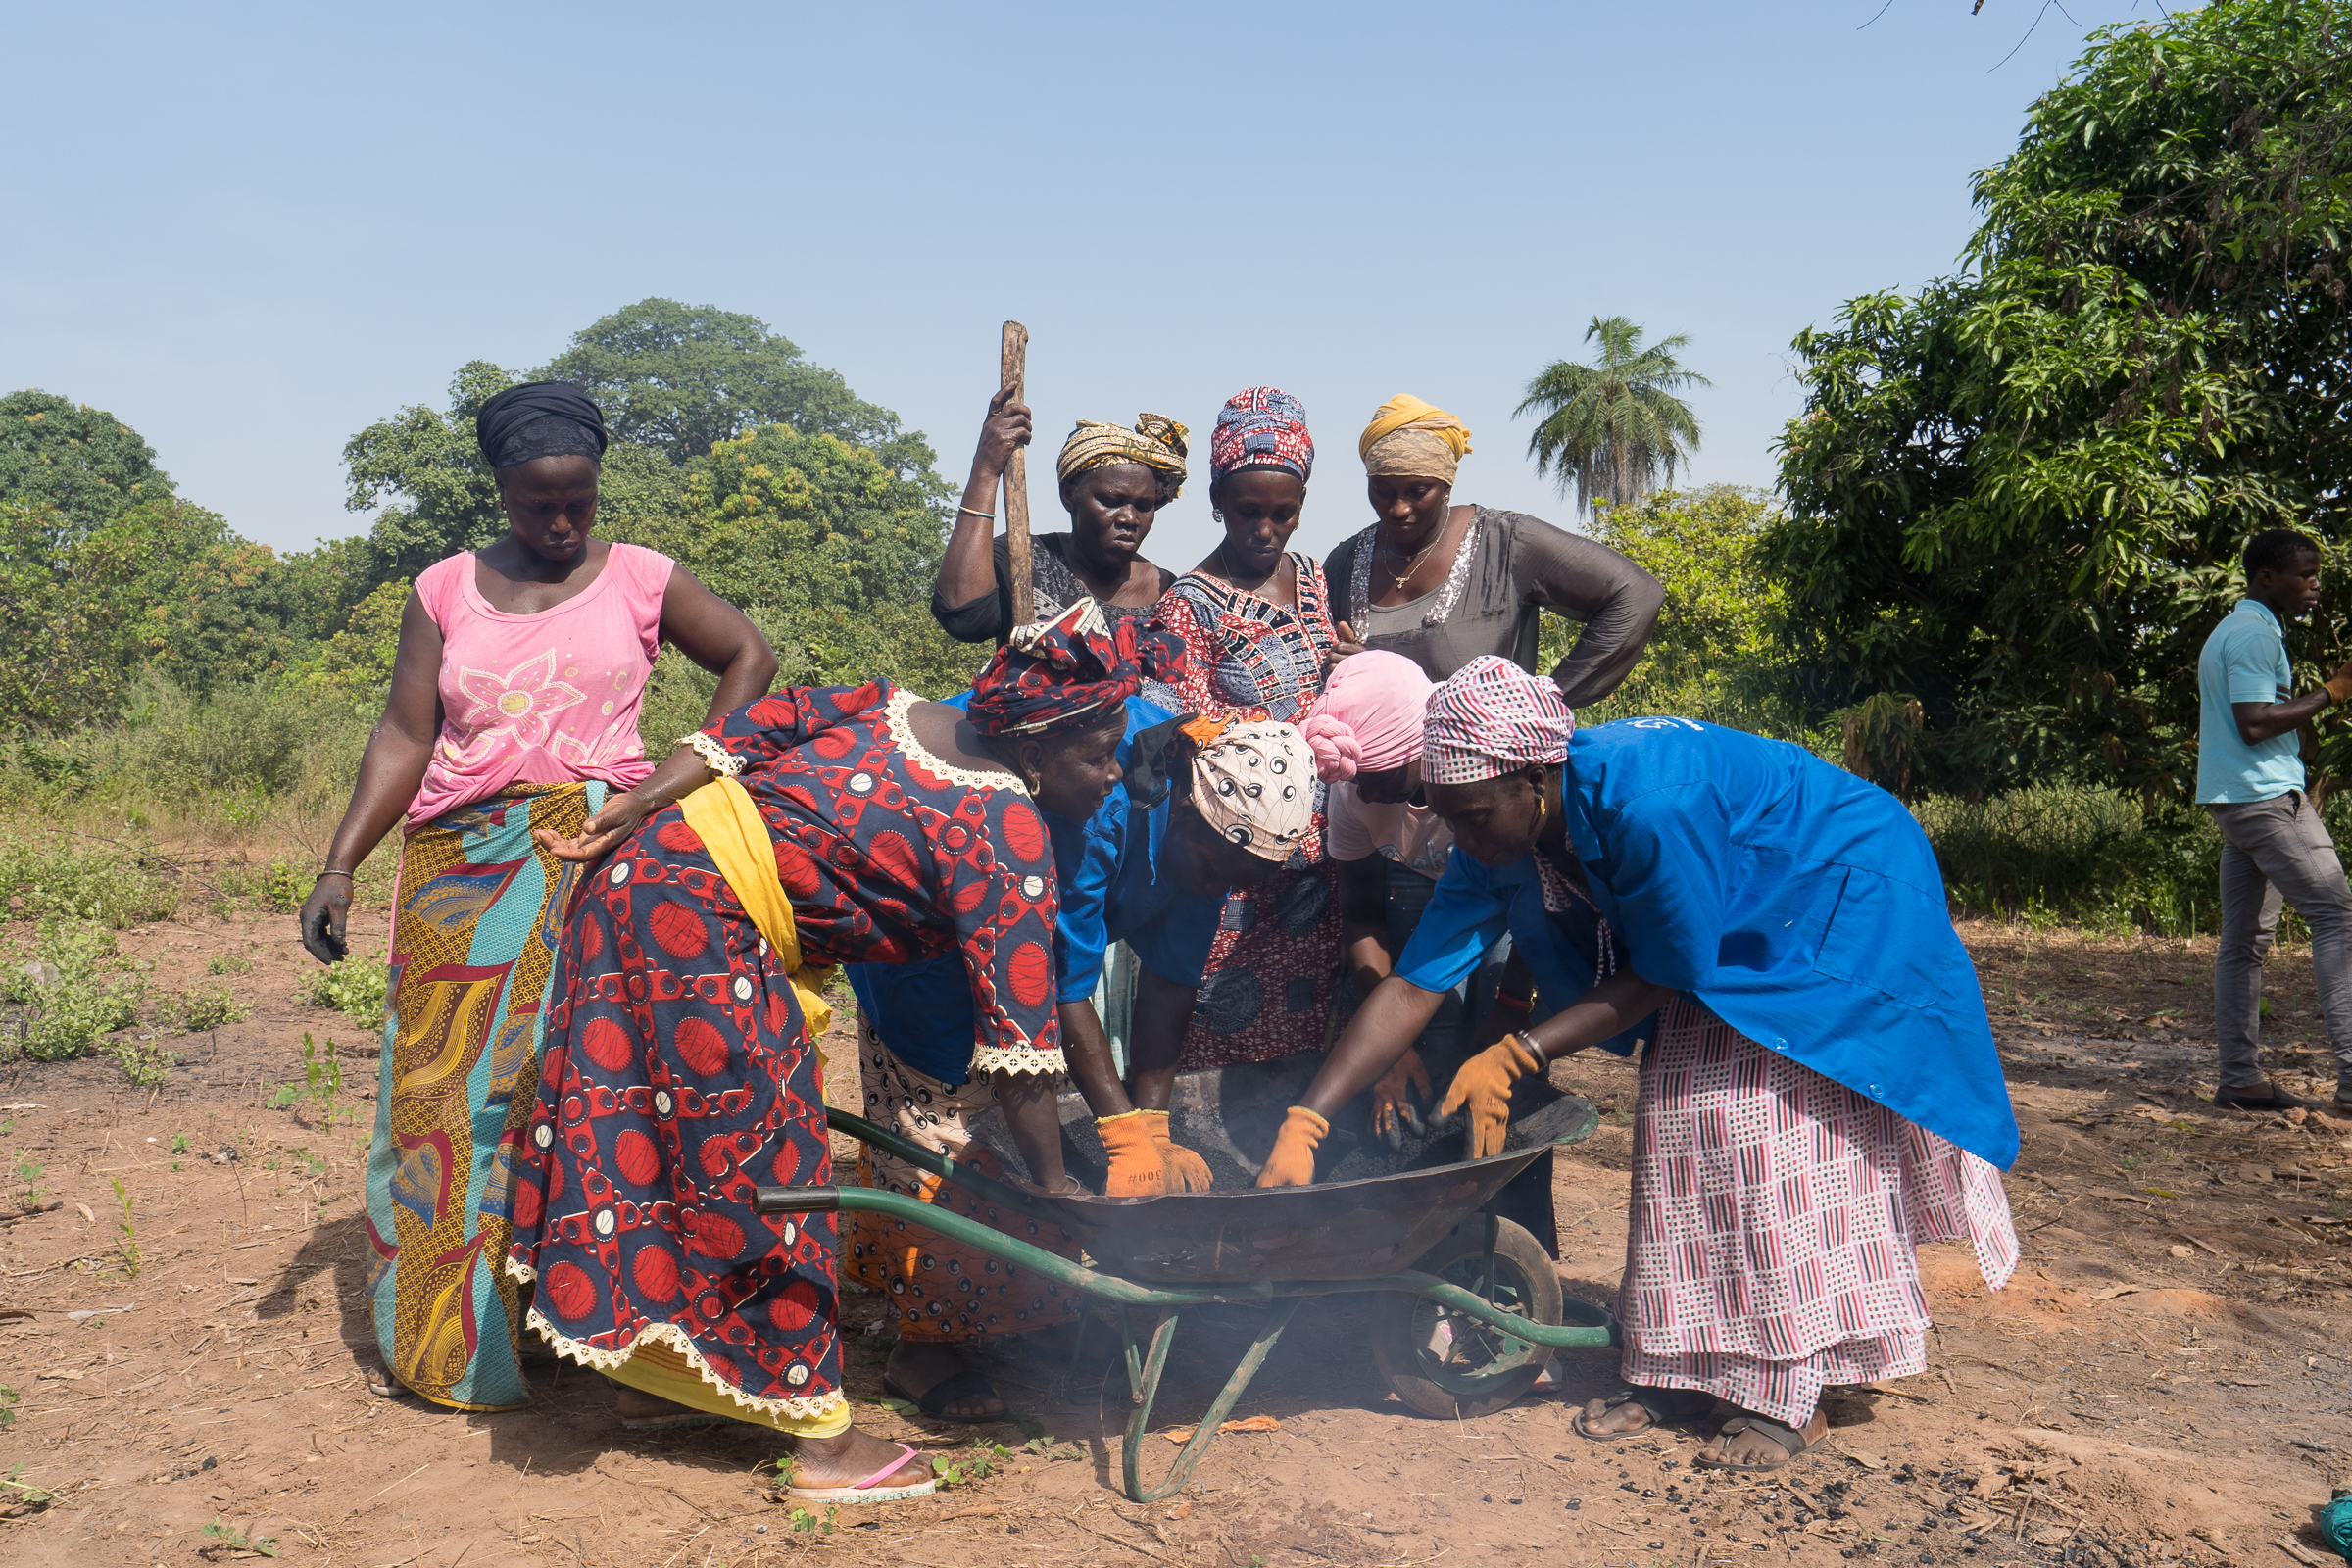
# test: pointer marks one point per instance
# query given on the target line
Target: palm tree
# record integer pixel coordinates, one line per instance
(1612, 426)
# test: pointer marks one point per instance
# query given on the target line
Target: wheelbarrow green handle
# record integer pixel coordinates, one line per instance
(960, 1172)
(1053, 1266)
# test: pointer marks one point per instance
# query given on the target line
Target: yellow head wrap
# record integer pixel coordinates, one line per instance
(1411, 438)
(1156, 442)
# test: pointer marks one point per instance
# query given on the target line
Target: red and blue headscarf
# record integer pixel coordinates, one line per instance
(1064, 675)
(1261, 427)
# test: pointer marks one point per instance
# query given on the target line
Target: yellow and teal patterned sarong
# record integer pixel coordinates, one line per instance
(475, 936)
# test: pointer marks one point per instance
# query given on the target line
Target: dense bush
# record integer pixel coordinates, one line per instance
(68, 876)
(2081, 854)
(1715, 656)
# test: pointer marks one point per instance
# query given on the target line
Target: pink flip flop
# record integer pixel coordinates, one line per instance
(865, 1491)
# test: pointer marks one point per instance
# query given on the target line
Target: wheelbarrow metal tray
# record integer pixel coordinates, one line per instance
(1393, 1203)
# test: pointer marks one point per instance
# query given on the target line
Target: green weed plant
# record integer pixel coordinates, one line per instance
(358, 987)
(321, 1083)
(73, 988)
(200, 1007)
(126, 1250)
(230, 1537)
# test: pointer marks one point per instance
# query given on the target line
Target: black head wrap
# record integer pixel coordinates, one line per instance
(540, 419)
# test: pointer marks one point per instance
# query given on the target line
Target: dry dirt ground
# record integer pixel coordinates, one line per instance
(2166, 1381)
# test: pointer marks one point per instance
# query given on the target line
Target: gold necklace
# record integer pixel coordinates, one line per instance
(1396, 579)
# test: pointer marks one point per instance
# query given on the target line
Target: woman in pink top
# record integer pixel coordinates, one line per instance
(513, 707)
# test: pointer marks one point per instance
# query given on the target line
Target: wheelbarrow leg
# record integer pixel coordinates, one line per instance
(1144, 1383)
(1486, 1266)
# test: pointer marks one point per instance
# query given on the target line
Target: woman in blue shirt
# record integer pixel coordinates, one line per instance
(1820, 1091)
(1151, 871)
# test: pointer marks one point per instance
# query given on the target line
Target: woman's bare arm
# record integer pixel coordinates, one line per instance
(968, 570)
(391, 771)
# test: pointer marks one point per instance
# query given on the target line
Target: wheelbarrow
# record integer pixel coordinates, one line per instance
(1472, 1305)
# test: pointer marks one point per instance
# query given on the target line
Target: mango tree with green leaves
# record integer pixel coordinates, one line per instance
(2020, 494)
(1716, 654)
(82, 464)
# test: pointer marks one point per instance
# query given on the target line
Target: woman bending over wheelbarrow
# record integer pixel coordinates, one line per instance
(1820, 1093)
(815, 826)
(1059, 705)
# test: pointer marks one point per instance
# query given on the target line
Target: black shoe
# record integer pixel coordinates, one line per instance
(2271, 1098)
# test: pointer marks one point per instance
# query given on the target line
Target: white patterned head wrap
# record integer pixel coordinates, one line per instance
(1254, 786)
(1491, 717)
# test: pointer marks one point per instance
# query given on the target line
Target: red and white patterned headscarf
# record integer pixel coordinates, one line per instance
(1261, 427)
(1490, 719)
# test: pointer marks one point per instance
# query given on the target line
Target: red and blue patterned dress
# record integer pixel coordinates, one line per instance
(679, 1074)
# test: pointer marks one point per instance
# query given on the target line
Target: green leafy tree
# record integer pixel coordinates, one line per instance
(423, 468)
(833, 550)
(1716, 654)
(684, 377)
(83, 462)
(69, 661)
(1613, 428)
(356, 662)
(195, 603)
(2020, 494)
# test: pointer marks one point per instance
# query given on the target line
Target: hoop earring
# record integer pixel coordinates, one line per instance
(1216, 514)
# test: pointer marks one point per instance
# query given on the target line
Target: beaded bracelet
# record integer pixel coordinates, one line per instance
(977, 512)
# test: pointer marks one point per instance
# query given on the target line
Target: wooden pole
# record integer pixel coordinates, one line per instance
(1013, 367)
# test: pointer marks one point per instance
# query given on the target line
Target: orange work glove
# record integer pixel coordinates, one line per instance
(1293, 1162)
(1484, 1085)
(1136, 1170)
(1187, 1172)
(1392, 1097)
(2339, 686)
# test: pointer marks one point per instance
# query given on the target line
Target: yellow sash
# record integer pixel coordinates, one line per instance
(731, 828)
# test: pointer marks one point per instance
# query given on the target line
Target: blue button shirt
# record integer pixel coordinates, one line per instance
(1799, 904)
(1107, 869)
(2244, 661)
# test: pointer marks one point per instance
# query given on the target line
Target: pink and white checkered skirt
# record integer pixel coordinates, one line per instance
(1774, 1223)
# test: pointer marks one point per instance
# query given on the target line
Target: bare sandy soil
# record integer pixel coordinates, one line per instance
(2166, 1381)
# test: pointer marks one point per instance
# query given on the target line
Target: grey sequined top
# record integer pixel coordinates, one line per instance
(1508, 569)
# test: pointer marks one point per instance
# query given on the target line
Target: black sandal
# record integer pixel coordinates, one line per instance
(962, 1388)
(1788, 1438)
(1664, 1408)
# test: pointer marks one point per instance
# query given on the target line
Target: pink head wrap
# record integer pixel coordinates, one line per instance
(1368, 718)
(1490, 719)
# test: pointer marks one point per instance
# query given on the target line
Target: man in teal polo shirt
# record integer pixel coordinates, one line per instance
(2274, 846)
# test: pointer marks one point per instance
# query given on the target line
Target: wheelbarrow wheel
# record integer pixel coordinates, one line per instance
(1444, 1363)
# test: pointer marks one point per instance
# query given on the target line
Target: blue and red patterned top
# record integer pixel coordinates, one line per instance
(891, 855)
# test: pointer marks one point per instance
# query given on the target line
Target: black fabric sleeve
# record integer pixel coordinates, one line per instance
(1339, 581)
(1588, 581)
(987, 618)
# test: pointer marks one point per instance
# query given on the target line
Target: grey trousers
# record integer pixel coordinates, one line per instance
(2278, 850)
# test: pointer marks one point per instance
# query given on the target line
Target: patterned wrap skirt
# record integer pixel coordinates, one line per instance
(679, 1077)
(1268, 988)
(941, 1290)
(475, 936)
(1775, 1221)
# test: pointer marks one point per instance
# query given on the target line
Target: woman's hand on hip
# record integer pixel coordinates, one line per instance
(323, 918)
(602, 833)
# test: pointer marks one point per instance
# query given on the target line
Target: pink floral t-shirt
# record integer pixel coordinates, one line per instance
(543, 699)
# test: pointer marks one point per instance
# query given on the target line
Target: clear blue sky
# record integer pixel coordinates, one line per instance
(249, 230)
